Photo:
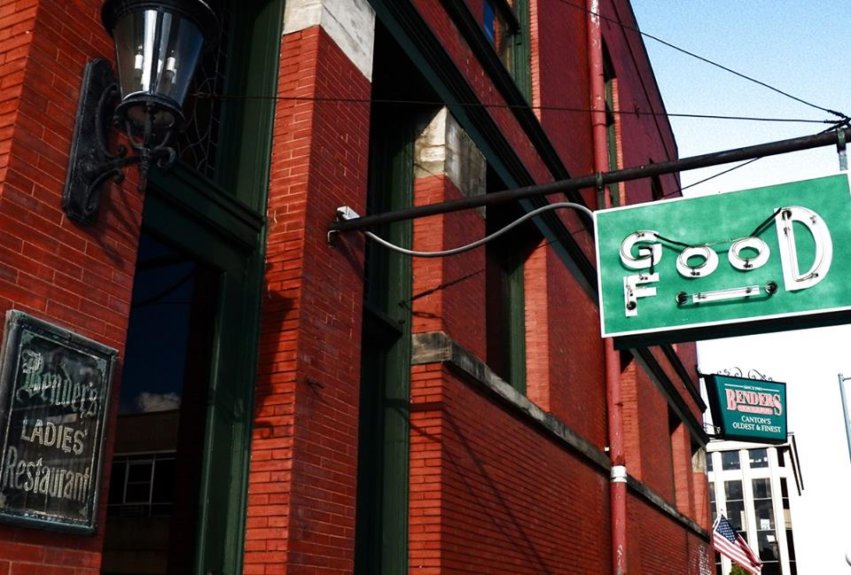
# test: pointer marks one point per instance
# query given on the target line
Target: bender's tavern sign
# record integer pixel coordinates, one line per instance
(54, 396)
(758, 260)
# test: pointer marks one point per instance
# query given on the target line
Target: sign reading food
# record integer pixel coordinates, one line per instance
(743, 262)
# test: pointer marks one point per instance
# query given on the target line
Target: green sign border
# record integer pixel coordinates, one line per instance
(718, 220)
(745, 425)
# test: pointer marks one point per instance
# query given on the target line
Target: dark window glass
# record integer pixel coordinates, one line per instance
(116, 482)
(505, 294)
(164, 476)
(490, 23)
(137, 493)
(506, 26)
(730, 460)
(708, 462)
(198, 141)
(733, 490)
(656, 191)
(758, 457)
(735, 504)
(769, 551)
(761, 489)
(784, 492)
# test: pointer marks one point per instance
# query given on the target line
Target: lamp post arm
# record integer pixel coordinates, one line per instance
(594, 180)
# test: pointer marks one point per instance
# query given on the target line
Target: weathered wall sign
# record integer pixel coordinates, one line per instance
(757, 260)
(54, 391)
(747, 409)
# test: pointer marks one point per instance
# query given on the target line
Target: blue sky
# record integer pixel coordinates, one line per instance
(799, 47)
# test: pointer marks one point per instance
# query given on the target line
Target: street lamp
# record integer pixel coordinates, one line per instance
(158, 44)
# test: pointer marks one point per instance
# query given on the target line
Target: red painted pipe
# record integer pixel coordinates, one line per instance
(614, 400)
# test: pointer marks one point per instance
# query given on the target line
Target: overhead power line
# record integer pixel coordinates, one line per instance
(840, 115)
(541, 107)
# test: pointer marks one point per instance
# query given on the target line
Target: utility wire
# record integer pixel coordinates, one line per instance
(840, 115)
(484, 240)
(541, 107)
(719, 174)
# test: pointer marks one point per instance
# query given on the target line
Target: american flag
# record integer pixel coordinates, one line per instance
(727, 542)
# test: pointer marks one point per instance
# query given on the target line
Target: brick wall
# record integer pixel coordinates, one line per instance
(448, 292)
(80, 278)
(569, 358)
(303, 460)
(491, 494)
(659, 544)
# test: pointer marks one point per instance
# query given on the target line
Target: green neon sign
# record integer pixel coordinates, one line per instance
(757, 260)
(747, 409)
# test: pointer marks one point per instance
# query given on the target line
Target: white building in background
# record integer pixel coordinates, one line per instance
(750, 484)
(810, 363)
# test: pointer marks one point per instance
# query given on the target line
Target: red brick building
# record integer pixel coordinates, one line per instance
(286, 404)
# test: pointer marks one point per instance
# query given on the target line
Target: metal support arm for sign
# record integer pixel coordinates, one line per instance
(593, 180)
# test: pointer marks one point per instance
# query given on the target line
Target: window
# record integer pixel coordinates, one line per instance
(656, 191)
(226, 135)
(142, 485)
(758, 458)
(734, 495)
(765, 528)
(752, 486)
(506, 26)
(610, 82)
(730, 460)
(506, 299)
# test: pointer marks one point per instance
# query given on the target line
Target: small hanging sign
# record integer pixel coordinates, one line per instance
(54, 395)
(747, 409)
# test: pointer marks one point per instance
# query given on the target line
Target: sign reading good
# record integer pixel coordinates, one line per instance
(747, 409)
(53, 402)
(765, 259)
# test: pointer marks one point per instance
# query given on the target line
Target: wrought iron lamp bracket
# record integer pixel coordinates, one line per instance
(91, 163)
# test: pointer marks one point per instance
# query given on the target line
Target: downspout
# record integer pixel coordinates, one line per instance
(614, 400)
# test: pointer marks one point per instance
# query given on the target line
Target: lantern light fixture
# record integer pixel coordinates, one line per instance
(158, 44)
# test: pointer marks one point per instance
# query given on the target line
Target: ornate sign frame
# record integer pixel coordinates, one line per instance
(54, 398)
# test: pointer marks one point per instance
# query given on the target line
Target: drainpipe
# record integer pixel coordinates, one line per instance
(614, 400)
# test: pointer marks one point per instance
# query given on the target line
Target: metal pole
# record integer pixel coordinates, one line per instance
(594, 180)
(845, 409)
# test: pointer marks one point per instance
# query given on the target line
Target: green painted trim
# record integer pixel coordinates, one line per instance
(222, 504)
(381, 536)
(197, 198)
(429, 56)
(516, 308)
(225, 227)
(407, 27)
(522, 50)
(251, 88)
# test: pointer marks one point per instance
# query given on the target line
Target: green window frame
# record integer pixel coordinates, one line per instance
(610, 83)
(505, 260)
(506, 26)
